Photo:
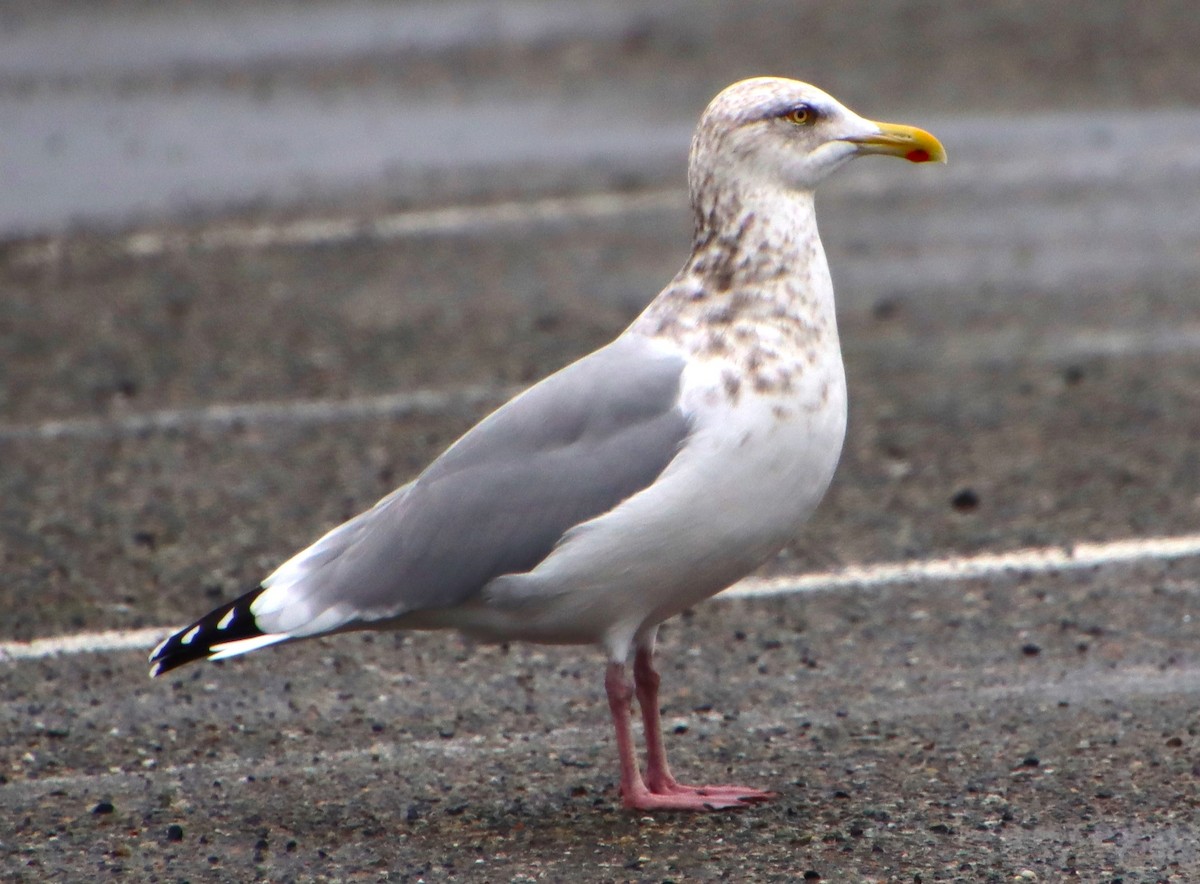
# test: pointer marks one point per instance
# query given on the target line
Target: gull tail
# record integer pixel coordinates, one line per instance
(224, 632)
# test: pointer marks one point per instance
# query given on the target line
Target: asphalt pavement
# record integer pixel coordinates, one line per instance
(260, 263)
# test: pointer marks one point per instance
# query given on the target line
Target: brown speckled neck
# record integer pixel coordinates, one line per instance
(755, 291)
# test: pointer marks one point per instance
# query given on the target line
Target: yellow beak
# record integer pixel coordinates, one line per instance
(894, 140)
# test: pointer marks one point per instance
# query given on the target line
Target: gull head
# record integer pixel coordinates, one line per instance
(784, 134)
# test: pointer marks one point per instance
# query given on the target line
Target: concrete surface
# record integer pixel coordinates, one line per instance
(128, 110)
(226, 271)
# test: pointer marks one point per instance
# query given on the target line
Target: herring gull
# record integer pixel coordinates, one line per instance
(639, 480)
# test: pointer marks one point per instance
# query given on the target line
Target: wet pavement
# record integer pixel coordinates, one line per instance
(184, 402)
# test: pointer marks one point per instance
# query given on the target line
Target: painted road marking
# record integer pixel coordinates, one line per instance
(311, 411)
(968, 349)
(451, 220)
(112, 640)
(1037, 560)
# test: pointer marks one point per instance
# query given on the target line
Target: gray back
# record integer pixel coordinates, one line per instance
(497, 502)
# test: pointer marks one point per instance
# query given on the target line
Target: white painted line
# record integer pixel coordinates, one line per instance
(1126, 342)
(316, 411)
(1023, 561)
(1012, 345)
(452, 220)
(969, 349)
(84, 643)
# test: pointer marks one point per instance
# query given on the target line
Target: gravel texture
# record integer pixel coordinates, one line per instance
(1021, 341)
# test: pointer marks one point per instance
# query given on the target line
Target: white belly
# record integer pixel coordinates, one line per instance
(751, 473)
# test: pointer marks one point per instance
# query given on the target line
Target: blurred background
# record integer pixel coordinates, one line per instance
(228, 204)
(124, 111)
(260, 261)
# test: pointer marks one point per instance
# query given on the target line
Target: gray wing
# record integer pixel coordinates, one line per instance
(497, 501)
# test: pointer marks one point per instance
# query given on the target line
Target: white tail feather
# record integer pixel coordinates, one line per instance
(245, 645)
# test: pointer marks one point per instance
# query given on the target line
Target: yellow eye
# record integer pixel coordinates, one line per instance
(801, 115)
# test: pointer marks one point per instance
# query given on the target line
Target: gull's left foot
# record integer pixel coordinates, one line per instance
(695, 798)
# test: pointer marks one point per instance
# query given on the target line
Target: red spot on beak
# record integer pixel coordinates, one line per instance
(917, 156)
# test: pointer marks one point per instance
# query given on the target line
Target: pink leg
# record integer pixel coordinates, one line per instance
(646, 681)
(634, 792)
(659, 778)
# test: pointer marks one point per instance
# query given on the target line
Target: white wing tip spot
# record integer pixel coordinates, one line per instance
(189, 636)
(224, 622)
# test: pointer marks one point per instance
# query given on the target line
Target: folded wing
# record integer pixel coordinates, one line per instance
(496, 502)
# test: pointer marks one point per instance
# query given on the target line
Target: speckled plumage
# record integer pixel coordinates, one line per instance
(641, 479)
(755, 295)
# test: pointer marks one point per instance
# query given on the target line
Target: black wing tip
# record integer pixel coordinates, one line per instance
(231, 621)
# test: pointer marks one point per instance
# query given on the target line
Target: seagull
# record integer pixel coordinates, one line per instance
(639, 480)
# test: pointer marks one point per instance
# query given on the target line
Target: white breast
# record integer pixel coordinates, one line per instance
(750, 474)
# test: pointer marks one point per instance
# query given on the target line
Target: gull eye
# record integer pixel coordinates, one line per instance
(801, 115)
